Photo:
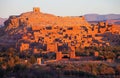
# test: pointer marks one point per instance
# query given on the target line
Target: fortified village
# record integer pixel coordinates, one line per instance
(36, 32)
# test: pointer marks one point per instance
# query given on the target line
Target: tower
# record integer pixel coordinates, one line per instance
(39, 61)
(58, 55)
(72, 52)
(36, 10)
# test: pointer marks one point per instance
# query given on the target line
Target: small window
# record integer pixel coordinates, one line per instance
(64, 30)
(70, 28)
(89, 36)
(49, 28)
(26, 18)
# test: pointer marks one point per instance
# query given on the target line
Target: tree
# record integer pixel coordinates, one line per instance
(118, 69)
(105, 70)
(11, 62)
(32, 60)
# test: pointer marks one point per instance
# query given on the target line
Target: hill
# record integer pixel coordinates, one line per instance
(2, 20)
(97, 17)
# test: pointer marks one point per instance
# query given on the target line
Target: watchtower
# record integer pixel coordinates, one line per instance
(58, 55)
(39, 61)
(36, 10)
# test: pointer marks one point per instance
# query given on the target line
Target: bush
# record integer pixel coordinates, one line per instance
(79, 74)
(20, 68)
(118, 69)
(106, 70)
(2, 72)
(32, 60)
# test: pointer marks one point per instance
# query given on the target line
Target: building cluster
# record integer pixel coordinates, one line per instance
(48, 33)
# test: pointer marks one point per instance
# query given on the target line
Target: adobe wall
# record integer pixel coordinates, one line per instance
(24, 46)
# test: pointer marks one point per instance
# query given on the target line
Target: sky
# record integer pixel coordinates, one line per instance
(60, 7)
